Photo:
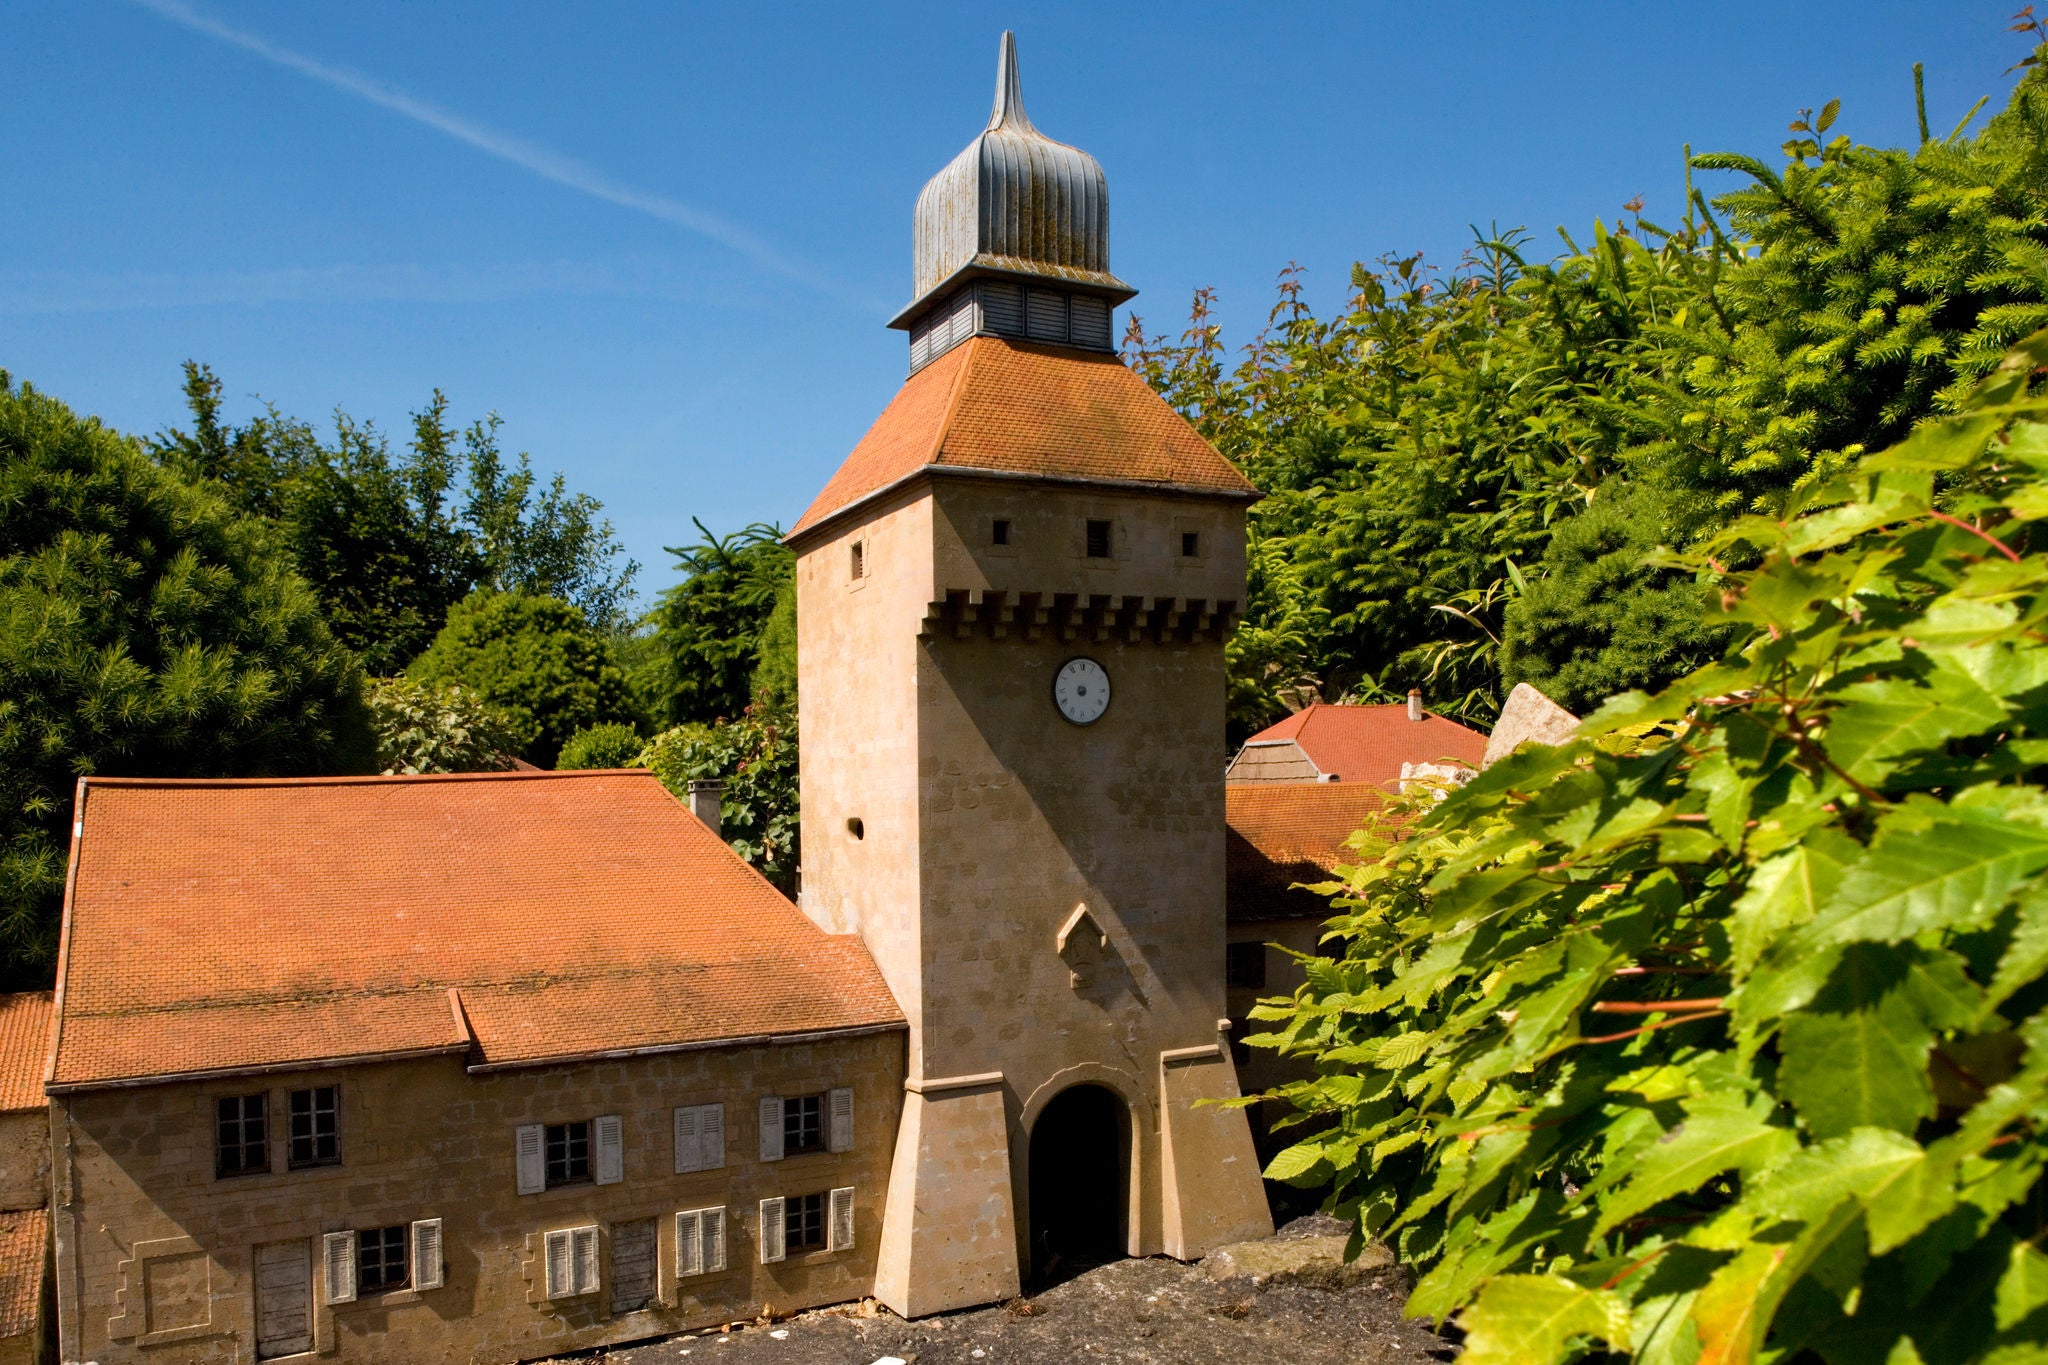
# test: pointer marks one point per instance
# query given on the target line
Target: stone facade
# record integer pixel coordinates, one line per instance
(156, 1255)
(960, 825)
(24, 1159)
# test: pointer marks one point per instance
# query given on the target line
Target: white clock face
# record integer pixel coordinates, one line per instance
(1081, 691)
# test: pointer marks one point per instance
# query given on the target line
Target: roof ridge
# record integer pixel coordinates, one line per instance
(972, 349)
(362, 779)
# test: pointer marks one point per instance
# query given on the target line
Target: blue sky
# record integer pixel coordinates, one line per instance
(661, 240)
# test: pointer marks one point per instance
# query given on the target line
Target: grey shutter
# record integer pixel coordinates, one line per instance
(774, 1234)
(611, 1150)
(771, 1129)
(533, 1164)
(426, 1254)
(689, 1150)
(840, 1233)
(561, 1274)
(339, 1249)
(583, 1249)
(1045, 315)
(1002, 308)
(714, 1239)
(1091, 323)
(842, 1120)
(689, 1243)
(711, 1136)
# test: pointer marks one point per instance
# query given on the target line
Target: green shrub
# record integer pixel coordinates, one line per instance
(611, 745)
(445, 728)
(756, 758)
(1720, 1033)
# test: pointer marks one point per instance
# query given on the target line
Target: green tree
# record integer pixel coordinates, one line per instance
(755, 756)
(536, 659)
(392, 540)
(708, 630)
(423, 728)
(146, 629)
(611, 745)
(1720, 1032)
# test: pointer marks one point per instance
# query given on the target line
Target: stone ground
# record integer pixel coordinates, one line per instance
(1147, 1312)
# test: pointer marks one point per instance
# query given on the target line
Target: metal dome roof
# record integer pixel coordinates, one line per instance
(1014, 202)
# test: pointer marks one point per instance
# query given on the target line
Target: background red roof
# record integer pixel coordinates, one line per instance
(1370, 743)
(24, 1049)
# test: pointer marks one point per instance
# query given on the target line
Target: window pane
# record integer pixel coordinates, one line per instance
(316, 1127)
(803, 1222)
(380, 1259)
(240, 1144)
(568, 1153)
(803, 1124)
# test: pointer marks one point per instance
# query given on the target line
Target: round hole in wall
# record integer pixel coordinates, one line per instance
(855, 827)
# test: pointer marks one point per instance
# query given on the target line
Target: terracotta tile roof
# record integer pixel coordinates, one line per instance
(24, 1238)
(1278, 834)
(1016, 408)
(219, 925)
(24, 1049)
(1370, 743)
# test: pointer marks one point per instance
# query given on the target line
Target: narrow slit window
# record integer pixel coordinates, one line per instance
(1190, 544)
(999, 533)
(1098, 540)
(857, 565)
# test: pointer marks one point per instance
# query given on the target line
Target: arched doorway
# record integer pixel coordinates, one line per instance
(1080, 1152)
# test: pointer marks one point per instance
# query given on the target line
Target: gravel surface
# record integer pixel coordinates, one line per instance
(1149, 1312)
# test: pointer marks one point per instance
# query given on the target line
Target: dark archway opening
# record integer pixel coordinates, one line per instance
(1079, 1157)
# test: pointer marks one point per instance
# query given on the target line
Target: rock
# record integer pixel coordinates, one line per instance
(1315, 1262)
(1528, 717)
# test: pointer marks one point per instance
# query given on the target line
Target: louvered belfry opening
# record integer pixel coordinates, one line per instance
(1012, 240)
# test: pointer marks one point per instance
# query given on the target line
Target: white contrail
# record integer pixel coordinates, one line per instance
(528, 156)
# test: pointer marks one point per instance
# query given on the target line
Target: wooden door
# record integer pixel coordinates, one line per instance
(284, 1299)
(633, 1265)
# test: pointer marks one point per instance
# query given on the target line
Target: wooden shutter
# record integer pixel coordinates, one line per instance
(583, 1244)
(533, 1165)
(561, 1275)
(771, 1129)
(774, 1234)
(610, 1166)
(714, 1239)
(689, 1150)
(842, 1121)
(839, 1234)
(689, 1243)
(426, 1254)
(340, 1251)
(711, 1137)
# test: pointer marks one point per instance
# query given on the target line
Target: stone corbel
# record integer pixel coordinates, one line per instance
(1081, 944)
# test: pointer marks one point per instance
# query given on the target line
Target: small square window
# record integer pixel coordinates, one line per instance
(1098, 540)
(380, 1260)
(999, 532)
(568, 1153)
(1244, 964)
(1190, 544)
(803, 1125)
(242, 1135)
(316, 1127)
(803, 1222)
(858, 563)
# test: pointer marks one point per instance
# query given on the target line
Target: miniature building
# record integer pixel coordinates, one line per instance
(449, 1068)
(24, 1176)
(1364, 744)
(1012, 601)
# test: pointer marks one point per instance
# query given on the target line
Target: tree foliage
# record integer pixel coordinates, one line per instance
(613, 744)
(1720, 1033)
(1425, 451)
(146, 629)
(392, 540)
(755, 756)
(732, 617)
(537, 660)
(446, 728)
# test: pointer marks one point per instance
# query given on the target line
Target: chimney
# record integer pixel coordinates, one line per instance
(704, 794)
(1414, 713)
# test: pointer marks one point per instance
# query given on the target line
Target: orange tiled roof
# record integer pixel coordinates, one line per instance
(220, 925)
(24, 1237)
(1281, 833)
(1016, 408)
(24, 1049)
(1370, 743)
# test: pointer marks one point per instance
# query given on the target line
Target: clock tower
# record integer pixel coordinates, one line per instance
(1012, 601)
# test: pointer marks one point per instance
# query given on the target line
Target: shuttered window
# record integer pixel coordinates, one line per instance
(700, 1242)
(771, 1127)
(772, 1218)
(338, 1266)
(1090, 320)
(841, 1231)
(842, 1120)
(610, 1166)
(381, 1259)
(571, 1261)
(700, 1138)
(1045, 315)
(803, 1223)
(426, 1254)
